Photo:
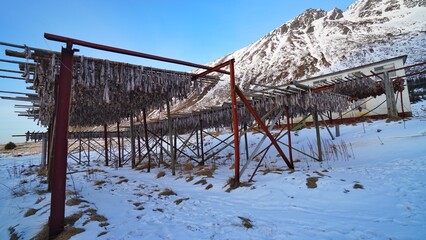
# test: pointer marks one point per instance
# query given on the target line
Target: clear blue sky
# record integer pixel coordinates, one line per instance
(193, 30)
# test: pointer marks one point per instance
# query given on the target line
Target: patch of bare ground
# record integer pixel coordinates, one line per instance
(167, 192)
(311, 182)
(179, 201)
(247, 223)
(206, 171)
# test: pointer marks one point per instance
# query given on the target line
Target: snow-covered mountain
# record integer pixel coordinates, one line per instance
(318, 42)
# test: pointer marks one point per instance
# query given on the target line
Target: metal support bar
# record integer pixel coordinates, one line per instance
(233, 88)
(326, 126)
(263, 127)
(63, 100)
(124, 51)
(254, 153)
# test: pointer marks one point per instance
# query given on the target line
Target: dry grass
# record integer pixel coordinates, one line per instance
(69, 232)
(102, 233)
(189, 178)
(99, 182)
(246, 222)
(209, 186)
(94, 170)
(122, 181)
(94, 216)
(144, 165)
(30, 212)
(74, 201)
(70, 220)
(358, 186)
(42, 171)
(39, 200)
(41, 191)
(161, 174)
(43, 234)
(179, 201)
(188, 167)
(202, 182)
(12, 233)
(232, 184)
(206, 171)
(311, 182)
(69, 192)
(167, 192)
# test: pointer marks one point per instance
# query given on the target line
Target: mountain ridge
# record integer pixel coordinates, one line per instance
(317, 42)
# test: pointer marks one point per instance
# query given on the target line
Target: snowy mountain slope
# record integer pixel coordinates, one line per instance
(318, 42)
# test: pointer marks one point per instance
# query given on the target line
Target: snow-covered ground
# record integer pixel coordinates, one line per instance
(376, 189)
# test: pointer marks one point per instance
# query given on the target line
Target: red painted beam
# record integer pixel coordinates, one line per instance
(234, 121)
(63, 102)
(263, 126)
(124, 51)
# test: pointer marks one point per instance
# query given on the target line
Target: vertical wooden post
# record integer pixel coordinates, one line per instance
(132, 142)
(402, 105)
(119, 145)
(62, 109)
(235, 124)
(201, 142)
(43, 151)
(317, 131)
(170, 123)
(246, 141)
(196, 138)
(88, 148)
(290, 149)
(390, 97)
(106, 143)
(147, 140)
(161, 148)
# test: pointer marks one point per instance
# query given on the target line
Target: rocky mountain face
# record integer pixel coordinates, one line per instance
(318, 42)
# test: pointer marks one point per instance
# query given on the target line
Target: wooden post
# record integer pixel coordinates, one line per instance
(246, 141)
(317, 131)
(290, 150)
(119, 145)
(390, 97)
(62, 109)
(43, 150)
(170, 123)
(147, 140)
(132, 142)
(201, 141)
(106, 143)
(235, 124)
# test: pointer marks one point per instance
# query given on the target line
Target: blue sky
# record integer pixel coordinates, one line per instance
(191, 30)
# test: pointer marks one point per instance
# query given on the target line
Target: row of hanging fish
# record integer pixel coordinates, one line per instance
(104, 92)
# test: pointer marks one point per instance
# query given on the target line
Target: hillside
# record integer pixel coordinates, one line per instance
(318, 42)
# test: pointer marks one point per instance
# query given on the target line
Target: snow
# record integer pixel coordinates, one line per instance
(386, 159)
(369, 31)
